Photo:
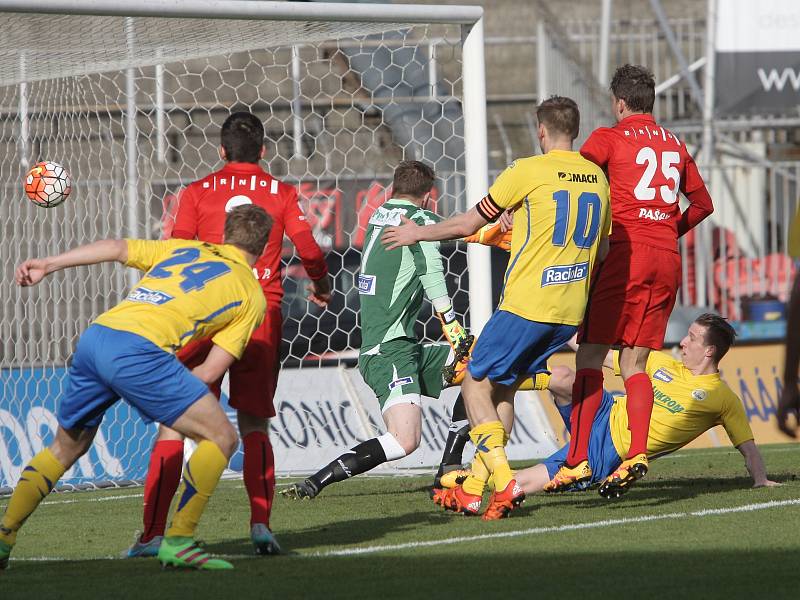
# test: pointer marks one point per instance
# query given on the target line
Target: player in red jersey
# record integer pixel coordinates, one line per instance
(635, 289)
(201, 215)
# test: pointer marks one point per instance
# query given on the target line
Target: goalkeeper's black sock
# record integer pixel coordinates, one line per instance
(359, 459)
(458, 434)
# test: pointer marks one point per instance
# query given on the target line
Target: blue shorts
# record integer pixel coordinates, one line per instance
(109, 364)
(603, 457)
(510, 347)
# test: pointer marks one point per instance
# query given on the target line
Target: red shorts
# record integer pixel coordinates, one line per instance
(254, 377)
(632, 297)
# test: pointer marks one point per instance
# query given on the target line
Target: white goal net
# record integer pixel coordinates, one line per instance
(132, 106)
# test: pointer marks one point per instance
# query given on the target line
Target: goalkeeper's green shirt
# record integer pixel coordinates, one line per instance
(391, 282)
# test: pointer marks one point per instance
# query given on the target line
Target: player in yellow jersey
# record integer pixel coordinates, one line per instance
(561, 219)
(789, 403)
(190, 290)
(690, 398)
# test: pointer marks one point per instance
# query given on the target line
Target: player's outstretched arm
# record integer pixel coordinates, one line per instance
(33, 270)
(755, 464)
(457, 226)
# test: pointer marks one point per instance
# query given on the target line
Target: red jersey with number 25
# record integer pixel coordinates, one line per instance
(646, 167)
(205, 203)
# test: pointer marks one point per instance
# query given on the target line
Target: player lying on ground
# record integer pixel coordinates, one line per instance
(190, 290)
(635, 289)
(254, 377)
(690, 399)
(561, 218)
(393, 362)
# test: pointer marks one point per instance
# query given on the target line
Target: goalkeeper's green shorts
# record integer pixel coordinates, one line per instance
(401, 370)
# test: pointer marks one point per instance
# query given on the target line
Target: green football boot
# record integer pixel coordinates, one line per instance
(185, 553)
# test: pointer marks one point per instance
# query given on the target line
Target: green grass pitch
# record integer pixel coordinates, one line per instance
(692, 529)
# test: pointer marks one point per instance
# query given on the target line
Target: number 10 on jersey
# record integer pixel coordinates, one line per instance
(587, 223)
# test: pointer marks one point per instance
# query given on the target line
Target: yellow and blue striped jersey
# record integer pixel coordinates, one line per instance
(684, 407)
(191, 290)
(561, 203)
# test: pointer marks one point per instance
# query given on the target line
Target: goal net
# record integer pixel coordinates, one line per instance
(132, 107)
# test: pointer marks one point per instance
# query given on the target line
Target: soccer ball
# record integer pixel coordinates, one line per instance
(47, 184)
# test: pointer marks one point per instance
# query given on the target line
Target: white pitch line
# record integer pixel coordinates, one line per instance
(498, 535)
(556, 529)
(87, 499)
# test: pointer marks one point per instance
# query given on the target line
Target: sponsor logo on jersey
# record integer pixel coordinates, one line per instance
(664, 401)
(699, 395)
(235, 201)
(562, 274)
(366, 285)
(142, 294)
(662, 375)
(401, 381)
(653, 215)
(577, 177)
(387, 216)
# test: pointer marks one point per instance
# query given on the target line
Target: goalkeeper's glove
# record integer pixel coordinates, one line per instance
(491, 234)
(456, 335)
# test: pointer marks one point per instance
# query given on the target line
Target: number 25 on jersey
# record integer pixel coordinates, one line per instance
(667, 163)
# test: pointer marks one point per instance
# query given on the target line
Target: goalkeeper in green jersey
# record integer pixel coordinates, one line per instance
(394, 363)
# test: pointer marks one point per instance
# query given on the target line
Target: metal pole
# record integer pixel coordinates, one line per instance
(476, 170)
(161, 134)
(694, 88)
(297, 106)
(245, 10)
(24, 122)
(541, 61)
(708, 83)
(131, 154)
(433, 70)
(702, 257)
(605, 35)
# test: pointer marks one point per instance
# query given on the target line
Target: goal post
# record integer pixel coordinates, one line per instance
(130, 99)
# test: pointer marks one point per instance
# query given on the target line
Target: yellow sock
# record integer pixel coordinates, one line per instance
(476, 482)
(200, 478)
(490, 439)
(36, 481)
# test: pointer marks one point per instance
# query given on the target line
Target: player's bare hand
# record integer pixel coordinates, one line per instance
(402, 235)
(788, 410)
(507, 220)
(30, 272)
(320, 291)
(766, 483)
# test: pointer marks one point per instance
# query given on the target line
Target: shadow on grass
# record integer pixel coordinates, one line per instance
(659, 492)
(520, 572)
(345, 532)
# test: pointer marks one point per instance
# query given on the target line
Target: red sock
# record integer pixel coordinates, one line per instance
(639, 389)
(587, 394)
(163, 477)
(259, 475)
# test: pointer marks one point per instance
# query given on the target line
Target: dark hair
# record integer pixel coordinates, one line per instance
(560, 115)
(412, 178)
(247, 226)
(719, 333)
(635, 84)
(242, 136)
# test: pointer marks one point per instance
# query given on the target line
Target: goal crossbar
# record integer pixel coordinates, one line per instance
(243, 9)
